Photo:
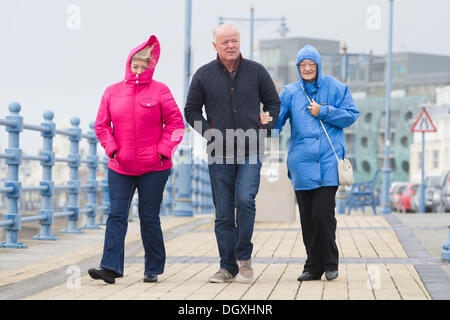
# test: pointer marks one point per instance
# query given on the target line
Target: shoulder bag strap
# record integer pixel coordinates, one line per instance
(326, 133)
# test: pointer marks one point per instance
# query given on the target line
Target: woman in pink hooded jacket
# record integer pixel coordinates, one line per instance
(139, 125)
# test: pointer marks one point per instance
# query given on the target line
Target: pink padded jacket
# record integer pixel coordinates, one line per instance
(139, 119)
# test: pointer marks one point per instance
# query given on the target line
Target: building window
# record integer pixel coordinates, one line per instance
(368, 118)
(393, 165)
(366, 166)
(405, 166)
(271, 57)
(435, 159)
(404, 141)
(365, 142)
(408, 116)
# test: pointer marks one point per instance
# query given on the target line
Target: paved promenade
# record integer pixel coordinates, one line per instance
(394, 257)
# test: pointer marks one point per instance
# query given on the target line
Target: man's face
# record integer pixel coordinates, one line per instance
(227, 44)
(308, 69)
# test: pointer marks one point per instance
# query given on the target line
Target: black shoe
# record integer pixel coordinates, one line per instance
(331, 275)
(307, 276)
(151, 278)
(106, 275)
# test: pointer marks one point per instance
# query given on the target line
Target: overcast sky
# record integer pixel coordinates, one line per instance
(50, 59)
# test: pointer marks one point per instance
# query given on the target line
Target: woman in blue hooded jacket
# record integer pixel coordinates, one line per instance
(311, 162)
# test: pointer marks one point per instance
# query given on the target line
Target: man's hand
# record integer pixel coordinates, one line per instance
(265, 117)
(314, 108)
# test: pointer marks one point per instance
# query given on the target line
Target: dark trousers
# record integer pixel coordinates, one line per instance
(234, 188)
(150, 191)
(318, 221)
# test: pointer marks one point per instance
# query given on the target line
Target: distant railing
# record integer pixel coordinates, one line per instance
(201, 201)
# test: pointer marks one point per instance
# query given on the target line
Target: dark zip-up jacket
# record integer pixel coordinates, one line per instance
(232, 103)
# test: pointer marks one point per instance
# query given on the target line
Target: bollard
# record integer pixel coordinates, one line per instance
(47, 165)
(13, 178)
(92, 180)
(446, 252)
(74, 181)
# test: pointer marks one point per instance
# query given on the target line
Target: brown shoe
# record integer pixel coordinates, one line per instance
(245, 271)
(221, 276)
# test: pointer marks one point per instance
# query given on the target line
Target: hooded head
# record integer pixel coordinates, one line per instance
(146, 54)
(310, 53)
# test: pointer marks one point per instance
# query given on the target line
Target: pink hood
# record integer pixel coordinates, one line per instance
(138, 120)
(147, 75)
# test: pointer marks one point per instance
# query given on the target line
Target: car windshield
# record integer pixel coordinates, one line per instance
(433, 181)
(400, 189)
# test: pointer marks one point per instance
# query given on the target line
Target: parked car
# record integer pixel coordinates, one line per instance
(432, 187)
(441, 199)
(394, 192)
(404, 199)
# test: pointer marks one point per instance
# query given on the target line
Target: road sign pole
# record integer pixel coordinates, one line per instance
(422, 182)
(423, 124)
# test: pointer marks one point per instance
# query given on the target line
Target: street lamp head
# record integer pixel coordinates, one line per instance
(344, 48)
(283, 29)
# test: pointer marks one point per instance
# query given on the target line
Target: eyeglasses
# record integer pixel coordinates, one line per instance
(304, 65)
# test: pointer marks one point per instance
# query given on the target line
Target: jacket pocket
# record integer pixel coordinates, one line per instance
(148, 103)
(124, 161)
(148, 158)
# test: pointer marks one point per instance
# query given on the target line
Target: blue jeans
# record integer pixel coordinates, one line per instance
(150, 190)
(234, 186)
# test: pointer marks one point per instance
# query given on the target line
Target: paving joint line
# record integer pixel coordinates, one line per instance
(52, 278)
(435, 279)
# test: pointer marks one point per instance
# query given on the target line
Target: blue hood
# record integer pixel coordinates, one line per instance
(311, 53)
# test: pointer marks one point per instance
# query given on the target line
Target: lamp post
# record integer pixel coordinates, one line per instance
(282, 30)
(183, 197)
(385, 205)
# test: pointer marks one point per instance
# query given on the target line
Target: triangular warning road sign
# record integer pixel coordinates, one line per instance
(424, 123)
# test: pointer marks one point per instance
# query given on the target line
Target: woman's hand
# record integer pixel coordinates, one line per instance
(314, 108)
(265, 118)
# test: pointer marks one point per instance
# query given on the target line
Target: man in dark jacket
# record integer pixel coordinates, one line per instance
(232, 89)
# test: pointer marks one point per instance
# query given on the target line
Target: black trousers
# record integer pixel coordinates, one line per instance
(319, 228)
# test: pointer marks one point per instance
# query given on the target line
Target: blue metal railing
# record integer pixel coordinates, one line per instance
(12, 189)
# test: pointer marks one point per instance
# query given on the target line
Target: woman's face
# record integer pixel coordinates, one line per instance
(138, 66)
(308, 69)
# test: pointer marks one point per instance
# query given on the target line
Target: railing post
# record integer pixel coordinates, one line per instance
(13, 178)
(106, 204)
(132, 213)
(92, 180)
(183, 198)
(198, 190)
(204, 185)
(209, 197)
(46, 195)
(168, 197)
(74, 181)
